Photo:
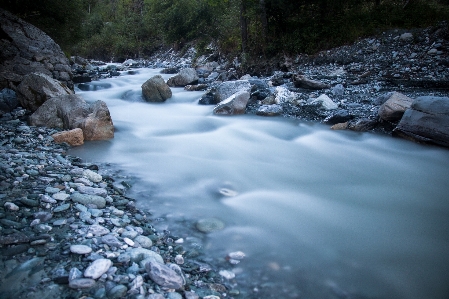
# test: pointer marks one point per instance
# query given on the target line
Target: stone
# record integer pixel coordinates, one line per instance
(184, 77)
(117, 292)
(406, 37)
(97, 268)
(72, 111)
(145, 242)
(72, 137)
(92, 191)
(80, 249)
(92, 176)
(208, 225)
(8, 101)
(156, 90)
(325, 102)
(27, 49)
(283, 95)
(340, 126)
(138, 254)
(82, 283)
(426, 121)
(86, 199)
(111, 240)
(340, 116)
(394, 107)
(269, 110)
(229, 88)
(11, 206)
(164, 275)
(37, 88)
(61, 196)
(227, 274)
(62, 208)
(301, 81)
(235, 104)
(98, 230)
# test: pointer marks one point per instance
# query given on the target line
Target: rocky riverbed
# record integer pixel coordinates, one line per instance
(68, 230)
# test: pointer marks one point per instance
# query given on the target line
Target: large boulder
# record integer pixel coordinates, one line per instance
(426, 121)
(184, 77)
(36, 88)
(394, 107)
(301, 81)
(227, 89)
(156, 90)
(235, 104)
(72, 111)
(26, 49)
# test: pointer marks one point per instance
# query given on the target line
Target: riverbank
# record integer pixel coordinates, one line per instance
(68, 230)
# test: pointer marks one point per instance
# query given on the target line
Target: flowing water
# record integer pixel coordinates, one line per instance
(318, 213)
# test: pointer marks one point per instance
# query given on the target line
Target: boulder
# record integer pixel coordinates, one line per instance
(26, 49)
(164, 275)
(394, 107)
(73, 137)
(8, 101)
(235, 104)
(324, 102)
(301, 81)
(36, 88)
(72, 111)
(426, 121)
(228, 88)
(156, 90)
(184, 77)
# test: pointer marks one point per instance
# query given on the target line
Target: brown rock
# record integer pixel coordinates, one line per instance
(156, 90)
(73, 137)
(235, 104)
(340, 126)
(394, 107)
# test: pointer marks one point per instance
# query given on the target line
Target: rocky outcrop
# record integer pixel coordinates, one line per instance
(235, 104)
(394, 107)
(156, 90)
(71, 111)
(184, 77)
(26, 49)
(36, 88)
(426, 121)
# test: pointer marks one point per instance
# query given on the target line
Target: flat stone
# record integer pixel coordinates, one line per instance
(92, 191)
(97, 268)
(61, 196)
(87, 199)
(80, 249)
(82, 283)
(61, 208)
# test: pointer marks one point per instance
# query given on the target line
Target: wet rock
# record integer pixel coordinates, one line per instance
(14, 239)
(136, 255)
(92, 191)
(145, 242)
(87, 199)
(208, 225)
(426, 121)
(82, 283)
(117, 292)
(98, 230)
(184, 77)
(80, 249)
(156, 90)
(229, 88)
(394, 107)
(235, 104)
(164, 276)
(97, 268)
(92, 176)
(301, 81)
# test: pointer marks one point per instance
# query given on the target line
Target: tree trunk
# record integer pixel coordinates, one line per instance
(243, 25)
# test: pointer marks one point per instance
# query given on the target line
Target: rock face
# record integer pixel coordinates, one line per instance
(184, 77)
(70, 112)
(235, 104)
(156, 90)
(26, 49)
(427, 121)
(36, 88)
(394, 107)
(73, 137)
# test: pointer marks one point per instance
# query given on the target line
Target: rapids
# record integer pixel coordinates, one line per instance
(324, 214)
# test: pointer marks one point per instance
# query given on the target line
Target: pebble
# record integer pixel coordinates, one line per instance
(62, 196)
(80, 249)
(97, 268)
(82, 283)
(61, 208)
(164, 275)
(92, 176)
(119, 291)
(11, 206)
(145, 242)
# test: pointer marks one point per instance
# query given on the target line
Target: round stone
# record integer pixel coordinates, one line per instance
(80, 249)
(208, 225)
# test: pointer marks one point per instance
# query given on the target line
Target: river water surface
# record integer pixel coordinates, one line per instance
(318, 213)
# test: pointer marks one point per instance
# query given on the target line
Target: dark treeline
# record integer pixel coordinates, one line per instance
(136, 28)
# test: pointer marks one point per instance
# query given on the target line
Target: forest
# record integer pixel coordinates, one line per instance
(121, 29)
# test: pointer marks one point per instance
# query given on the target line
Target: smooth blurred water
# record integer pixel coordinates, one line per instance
(332, 214)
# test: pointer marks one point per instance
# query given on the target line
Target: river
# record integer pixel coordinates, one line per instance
(318, 213)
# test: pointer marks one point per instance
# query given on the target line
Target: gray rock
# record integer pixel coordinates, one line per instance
(118, 291)
(37, 88)
(98, 230)
(227, 89)
(156, 90)
(97, 268)
(62, 208)
(75, 273)
(235, 104)
(208, 225)
(145, 242)
(184, 77)
(81, 283)
(86, 199)
(92, 191)
(164, 275)
(324, 102)
(426, 121)
(92, 176)
(269, 110)
(111, 240)
(80, 249)
(394, 107)
(139, 254)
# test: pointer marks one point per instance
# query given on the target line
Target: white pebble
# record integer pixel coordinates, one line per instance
(11, 206)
